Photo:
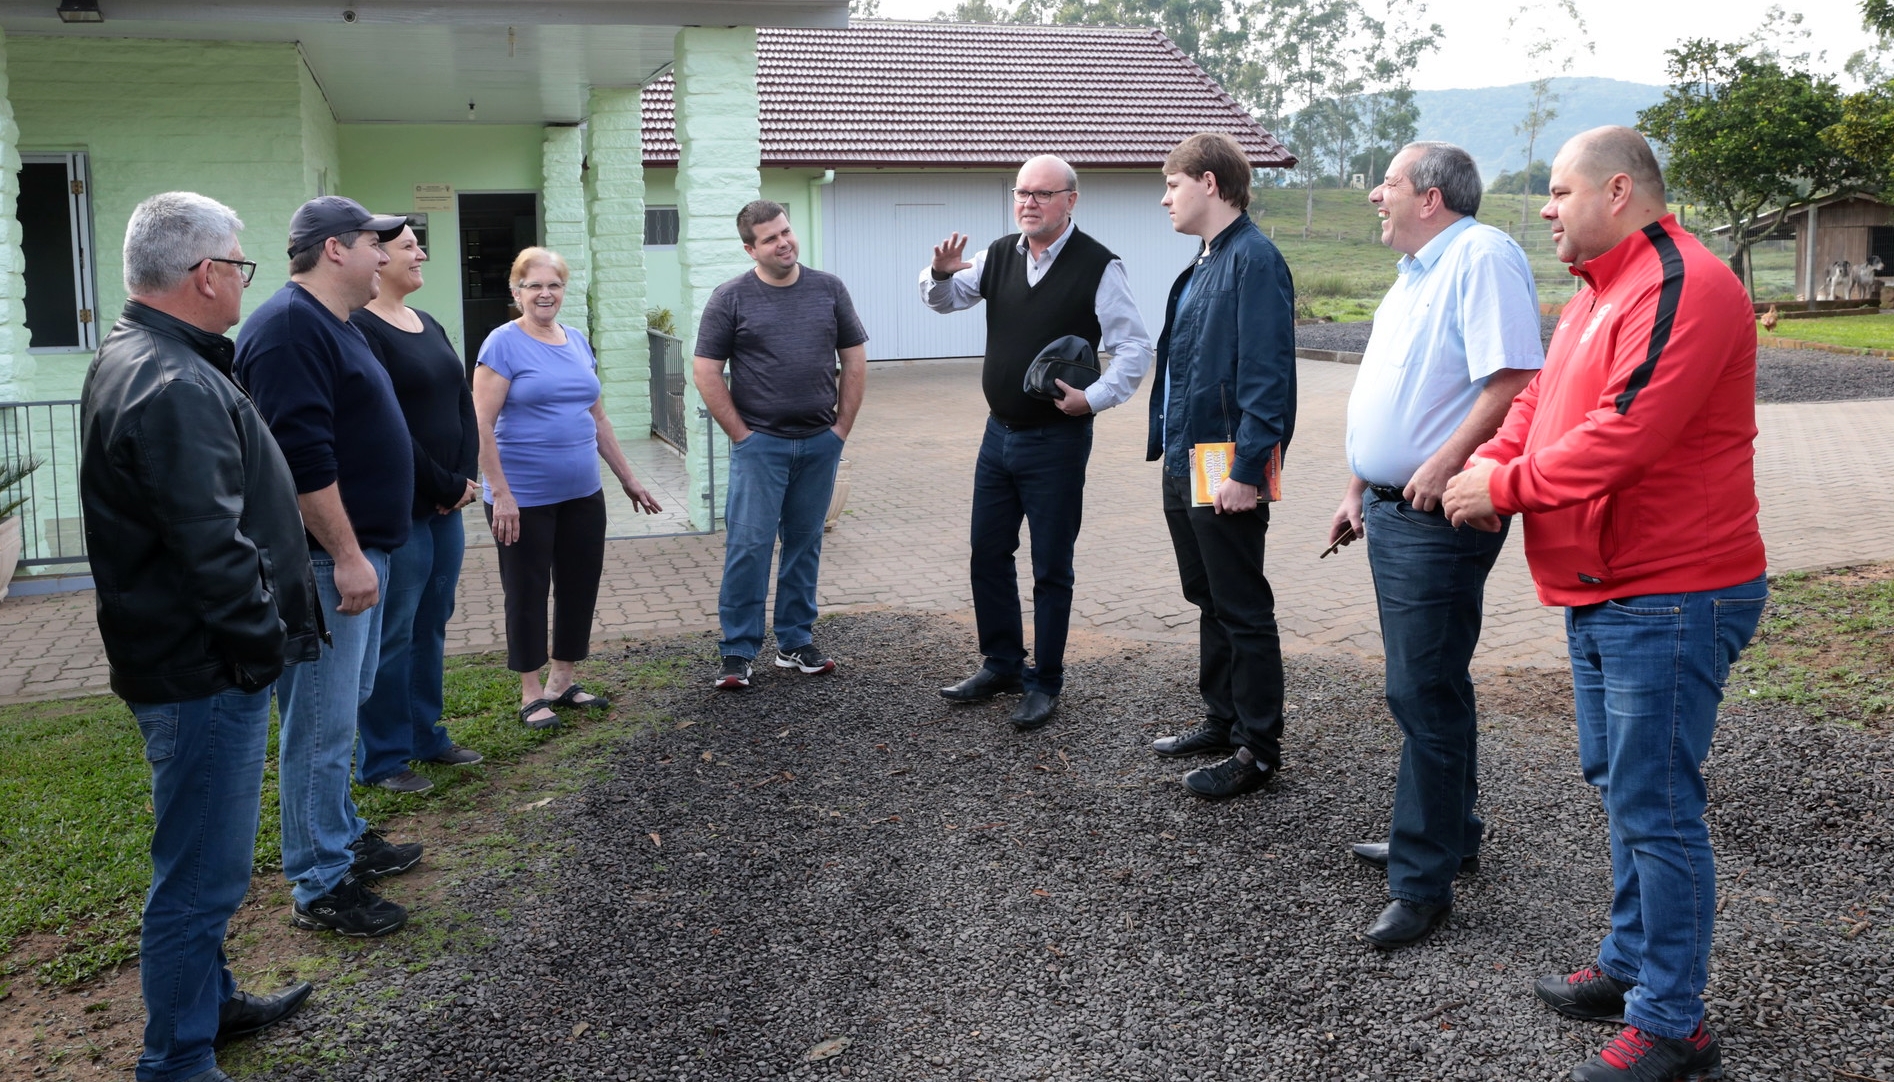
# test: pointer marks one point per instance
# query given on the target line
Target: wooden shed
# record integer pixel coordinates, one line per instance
(1850, 227)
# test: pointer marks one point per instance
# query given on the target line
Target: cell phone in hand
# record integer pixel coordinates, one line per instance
(1337, 544)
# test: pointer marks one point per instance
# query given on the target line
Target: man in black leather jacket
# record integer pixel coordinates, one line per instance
(205, 593)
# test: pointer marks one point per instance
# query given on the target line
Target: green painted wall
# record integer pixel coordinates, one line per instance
(383, 163)
(790, 187)
(240, 122)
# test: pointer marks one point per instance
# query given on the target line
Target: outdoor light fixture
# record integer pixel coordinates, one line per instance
(80, 11)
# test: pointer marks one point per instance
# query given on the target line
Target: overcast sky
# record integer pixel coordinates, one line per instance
(1631, 36)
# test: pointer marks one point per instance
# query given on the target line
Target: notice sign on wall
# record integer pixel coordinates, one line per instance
(433, 197)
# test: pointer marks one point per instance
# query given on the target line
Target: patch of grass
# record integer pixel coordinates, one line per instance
(1826, 644)
(1856, 332)
(75, 841)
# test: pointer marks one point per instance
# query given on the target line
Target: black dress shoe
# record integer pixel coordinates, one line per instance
(244, 1014)
(980, 687)
(1231, 777)
(1034, 711)
(1205, 739)
(1404, 922)
(1376, 853)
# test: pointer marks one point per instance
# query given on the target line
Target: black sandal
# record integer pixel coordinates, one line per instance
(570, 697)
(534, 707)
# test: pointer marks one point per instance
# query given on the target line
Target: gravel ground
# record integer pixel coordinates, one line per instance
(848, 859)
(1782, 375)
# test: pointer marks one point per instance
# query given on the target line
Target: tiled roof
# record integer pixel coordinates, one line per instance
(968, 94)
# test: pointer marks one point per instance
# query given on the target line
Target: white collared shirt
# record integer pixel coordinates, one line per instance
(1462, 308)
(1121, 328)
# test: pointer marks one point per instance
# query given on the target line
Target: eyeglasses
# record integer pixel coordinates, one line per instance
(245, 267)
(1030, 195)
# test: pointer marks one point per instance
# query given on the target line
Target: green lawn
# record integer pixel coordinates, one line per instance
(1826, 644)
(1858, 332)
(1342, 270)
(77, 830)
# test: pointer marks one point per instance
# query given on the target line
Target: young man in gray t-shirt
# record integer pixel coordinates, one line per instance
(787, 411)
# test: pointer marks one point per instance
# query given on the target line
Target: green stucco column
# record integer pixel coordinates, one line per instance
(16, 364)
(719, 155)
(615, 185)
(562, 165)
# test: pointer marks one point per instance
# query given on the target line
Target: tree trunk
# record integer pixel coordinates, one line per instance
(1308, 209)
(1525, 203)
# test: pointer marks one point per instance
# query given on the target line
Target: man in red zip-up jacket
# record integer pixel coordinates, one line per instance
(1631, 457)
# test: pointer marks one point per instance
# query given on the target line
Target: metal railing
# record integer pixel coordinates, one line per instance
(52, 529)
(667, 389)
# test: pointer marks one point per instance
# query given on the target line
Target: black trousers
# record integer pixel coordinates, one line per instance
(1034, 475)
(561, 549)
(1239, 672)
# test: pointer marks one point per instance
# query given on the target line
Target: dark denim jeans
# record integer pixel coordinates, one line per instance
(1648, 673)
(1035, 475)
(206, 759)
(1239, 666)
(318, 702)
(1429, 584)
(402, 718)
(779, 488)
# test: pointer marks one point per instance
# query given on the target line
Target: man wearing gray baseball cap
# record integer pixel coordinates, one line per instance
(332, 409)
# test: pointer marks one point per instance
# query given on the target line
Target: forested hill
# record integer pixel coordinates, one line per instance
(1482, 120)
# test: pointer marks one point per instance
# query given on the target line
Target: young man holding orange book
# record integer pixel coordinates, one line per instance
(1225, 374)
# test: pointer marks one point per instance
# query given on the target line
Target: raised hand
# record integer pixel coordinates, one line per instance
(949, 255)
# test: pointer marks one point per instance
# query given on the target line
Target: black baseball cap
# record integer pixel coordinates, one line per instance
(333, 215)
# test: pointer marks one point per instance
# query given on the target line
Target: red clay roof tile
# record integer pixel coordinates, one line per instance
(974, 95)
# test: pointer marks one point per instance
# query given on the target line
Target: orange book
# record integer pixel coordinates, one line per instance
(1210, 463)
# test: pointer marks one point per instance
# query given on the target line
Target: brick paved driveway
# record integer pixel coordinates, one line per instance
(903, 541)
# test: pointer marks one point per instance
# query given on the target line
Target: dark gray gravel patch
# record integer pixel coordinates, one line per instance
(1782, 375)
(849, 857)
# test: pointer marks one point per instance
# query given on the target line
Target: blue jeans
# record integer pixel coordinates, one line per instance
(402, 718)
(1429, 585)
(1035, 475)
(779, 488)
(1648, 674)
(318, 701)
(206, 759)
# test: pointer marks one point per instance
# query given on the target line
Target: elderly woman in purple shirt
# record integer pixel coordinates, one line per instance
(542, 431)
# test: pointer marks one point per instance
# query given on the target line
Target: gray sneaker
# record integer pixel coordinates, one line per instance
(405, 782)
(735, 675)
(455, 755)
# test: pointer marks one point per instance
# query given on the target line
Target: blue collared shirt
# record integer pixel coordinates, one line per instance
(1462, 308)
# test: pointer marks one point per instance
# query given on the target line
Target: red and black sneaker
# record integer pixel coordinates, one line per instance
(1636, 1056)
(1590, 995)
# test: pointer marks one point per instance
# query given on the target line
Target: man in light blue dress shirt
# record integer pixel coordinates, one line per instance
(1456, 338)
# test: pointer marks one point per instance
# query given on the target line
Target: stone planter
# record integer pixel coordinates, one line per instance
(839, 499)
(10, 543)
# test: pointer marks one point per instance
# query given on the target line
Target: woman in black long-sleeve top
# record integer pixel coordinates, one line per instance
(400, 722)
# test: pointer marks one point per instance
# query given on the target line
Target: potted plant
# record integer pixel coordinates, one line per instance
(13, 472)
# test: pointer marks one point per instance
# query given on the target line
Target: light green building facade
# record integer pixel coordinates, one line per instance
(263, 115)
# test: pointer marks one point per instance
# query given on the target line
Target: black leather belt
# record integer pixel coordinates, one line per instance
(1388, 493)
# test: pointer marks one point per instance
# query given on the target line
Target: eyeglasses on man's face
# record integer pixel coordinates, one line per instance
(245, 267)
(1038, 195)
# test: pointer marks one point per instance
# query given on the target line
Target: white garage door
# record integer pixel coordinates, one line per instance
(880, 229)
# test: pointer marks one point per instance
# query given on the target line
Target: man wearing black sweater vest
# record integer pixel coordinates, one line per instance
(332, 409)
(1047, 281)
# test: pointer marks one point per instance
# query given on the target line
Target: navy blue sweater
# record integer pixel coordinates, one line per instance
(332, 409)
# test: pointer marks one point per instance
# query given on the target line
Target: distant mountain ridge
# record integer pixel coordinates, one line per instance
(1482, 120)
